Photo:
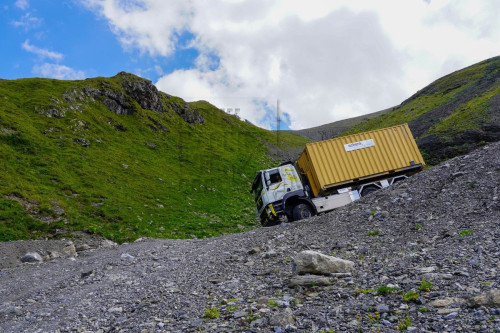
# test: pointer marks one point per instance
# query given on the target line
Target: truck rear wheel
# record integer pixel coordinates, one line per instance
(302, 211)
(368, 190)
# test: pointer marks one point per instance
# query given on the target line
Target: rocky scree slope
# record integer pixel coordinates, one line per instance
(425, 255)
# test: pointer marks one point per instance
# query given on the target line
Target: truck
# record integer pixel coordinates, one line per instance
(333, 173)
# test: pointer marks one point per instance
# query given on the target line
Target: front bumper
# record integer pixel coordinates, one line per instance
(272, 211)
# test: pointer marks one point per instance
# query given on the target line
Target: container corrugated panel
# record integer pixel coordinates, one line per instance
(351, 158)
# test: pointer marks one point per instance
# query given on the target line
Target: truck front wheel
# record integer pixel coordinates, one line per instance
(302, 211)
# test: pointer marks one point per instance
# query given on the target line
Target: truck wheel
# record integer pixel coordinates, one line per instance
(368, 190)
(301, 211)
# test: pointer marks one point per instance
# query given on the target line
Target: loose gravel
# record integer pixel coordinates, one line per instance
(426, 253)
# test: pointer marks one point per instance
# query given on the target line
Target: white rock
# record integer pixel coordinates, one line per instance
(317, 263)
(282, 318)
(32, 257)
(107, 244)
(127, 256)
(444, 302)
(115, 310)
(447, 311)
(490, 298)
(70, 250)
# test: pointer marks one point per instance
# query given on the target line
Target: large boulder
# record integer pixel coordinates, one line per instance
(312, 262)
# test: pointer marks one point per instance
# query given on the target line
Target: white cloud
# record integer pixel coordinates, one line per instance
(56, 71)
(324, 60)
(28, 22)
(22, 4)
(42, 53)
(150, 26)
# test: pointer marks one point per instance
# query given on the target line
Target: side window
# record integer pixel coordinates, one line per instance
(275, 176)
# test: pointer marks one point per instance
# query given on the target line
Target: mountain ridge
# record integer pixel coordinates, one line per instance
(451, 116)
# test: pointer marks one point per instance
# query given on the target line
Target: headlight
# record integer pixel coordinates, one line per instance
(270, 211)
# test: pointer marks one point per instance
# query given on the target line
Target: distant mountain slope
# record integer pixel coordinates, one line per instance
(328, 131)
(116, 157)
(452, 115)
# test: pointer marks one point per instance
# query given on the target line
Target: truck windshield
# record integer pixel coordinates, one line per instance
(257, 185)
(258, 190)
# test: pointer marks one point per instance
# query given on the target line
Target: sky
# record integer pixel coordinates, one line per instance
(323, 60)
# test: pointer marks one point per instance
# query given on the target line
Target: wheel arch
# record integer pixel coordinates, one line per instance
(292, 199)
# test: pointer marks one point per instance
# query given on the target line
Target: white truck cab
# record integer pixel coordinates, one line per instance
(281, 196)
(333, 173)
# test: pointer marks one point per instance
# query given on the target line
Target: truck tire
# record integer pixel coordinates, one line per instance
(302, 211)
(368, 190)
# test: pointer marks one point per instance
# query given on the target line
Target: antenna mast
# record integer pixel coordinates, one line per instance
(278, 121)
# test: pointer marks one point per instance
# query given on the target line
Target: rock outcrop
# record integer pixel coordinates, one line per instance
(123, 99)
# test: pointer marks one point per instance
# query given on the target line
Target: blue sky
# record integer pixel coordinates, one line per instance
(324, 60)
(67, 34)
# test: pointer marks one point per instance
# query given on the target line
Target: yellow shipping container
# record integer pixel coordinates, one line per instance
(358, 157)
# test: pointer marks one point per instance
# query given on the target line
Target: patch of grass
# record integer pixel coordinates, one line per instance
(251, 317)
(211, 313)
(425, 285)
(384, 290)
(232, 308)
(468, 116)
(373, 232)
(272, 302)
(410, 296)
(465, 232)
(364, 291)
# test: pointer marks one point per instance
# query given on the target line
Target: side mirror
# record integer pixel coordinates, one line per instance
(268, 179)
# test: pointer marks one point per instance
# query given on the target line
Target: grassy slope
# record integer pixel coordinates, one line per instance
(133, 179)
(461, 102)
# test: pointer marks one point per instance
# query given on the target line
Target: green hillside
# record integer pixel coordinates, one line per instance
(330, 130)
(115, 157)
(452, 115)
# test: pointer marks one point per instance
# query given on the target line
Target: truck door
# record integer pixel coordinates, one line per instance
(276, 186)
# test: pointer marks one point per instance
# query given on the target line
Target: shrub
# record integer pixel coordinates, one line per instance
(404, 323)
(425, 285)
(211, 313)
(410, 296)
